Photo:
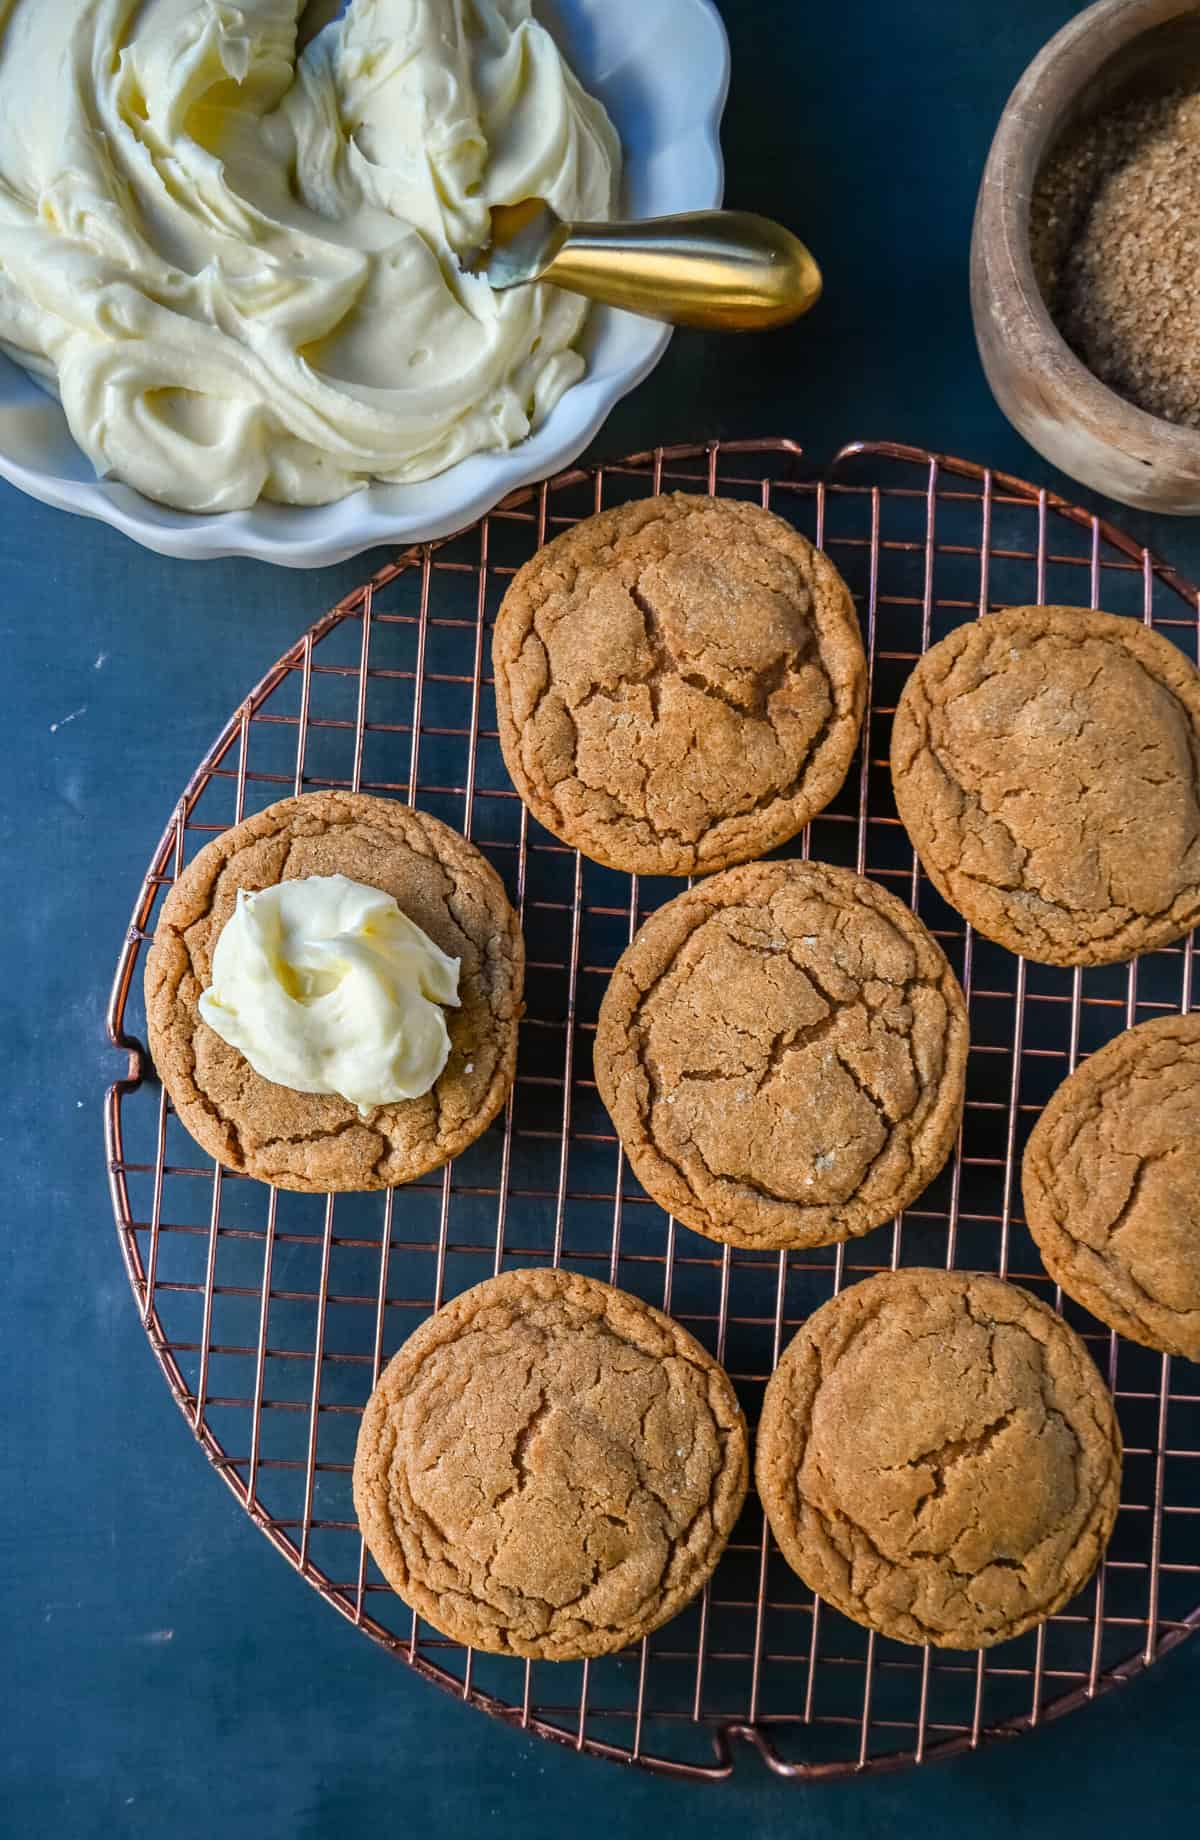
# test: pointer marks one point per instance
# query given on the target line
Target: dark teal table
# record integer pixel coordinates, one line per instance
(166, 1674)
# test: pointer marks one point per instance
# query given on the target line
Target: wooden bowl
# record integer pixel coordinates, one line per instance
(1111, 52)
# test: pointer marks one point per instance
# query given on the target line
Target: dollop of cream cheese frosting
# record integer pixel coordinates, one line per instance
(327, 987)
(237, 262)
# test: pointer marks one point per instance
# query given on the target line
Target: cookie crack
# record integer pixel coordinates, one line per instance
(520, 1453)
(317, 1136)
(1150, 1305)
(1083, 1505)
(210, 1107)
(944, 1456)
(836, 1519)
(659, 651)
(792, 1041)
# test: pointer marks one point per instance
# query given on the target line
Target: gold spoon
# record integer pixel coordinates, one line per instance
(726, 271)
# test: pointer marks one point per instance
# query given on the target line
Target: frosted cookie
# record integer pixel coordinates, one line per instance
(320, 1141)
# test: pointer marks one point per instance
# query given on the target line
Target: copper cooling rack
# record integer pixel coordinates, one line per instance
(271, 1313)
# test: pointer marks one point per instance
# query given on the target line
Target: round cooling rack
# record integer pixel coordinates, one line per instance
(271, 1314)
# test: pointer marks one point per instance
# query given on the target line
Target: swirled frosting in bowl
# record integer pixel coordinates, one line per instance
(238, 264)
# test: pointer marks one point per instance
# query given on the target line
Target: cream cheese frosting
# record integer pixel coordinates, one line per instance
(237, 262)
(327, 987)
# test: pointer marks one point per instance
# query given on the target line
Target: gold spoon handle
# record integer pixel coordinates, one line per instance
(727, 271)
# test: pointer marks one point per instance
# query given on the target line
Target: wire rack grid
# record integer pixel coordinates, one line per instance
(271, 1314)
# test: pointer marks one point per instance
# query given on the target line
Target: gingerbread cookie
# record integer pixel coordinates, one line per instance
(939, 1458)
(316, 1141)
(1046, 764)
(679, 682)
(1111, 1180)
(549, 1467)
(783, 1052)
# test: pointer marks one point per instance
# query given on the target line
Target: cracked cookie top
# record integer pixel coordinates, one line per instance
(783, 1052)
(679, 683)
(1046, 764)
(939, 1458)
(316, 1141)
(549, 1467)
(1111, 1180)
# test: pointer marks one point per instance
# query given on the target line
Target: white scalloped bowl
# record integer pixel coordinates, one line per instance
(661, 68)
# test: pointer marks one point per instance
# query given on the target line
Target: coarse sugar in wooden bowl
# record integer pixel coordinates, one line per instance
(1082, 287)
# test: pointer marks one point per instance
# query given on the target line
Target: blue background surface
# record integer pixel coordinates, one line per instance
(167, 1674)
